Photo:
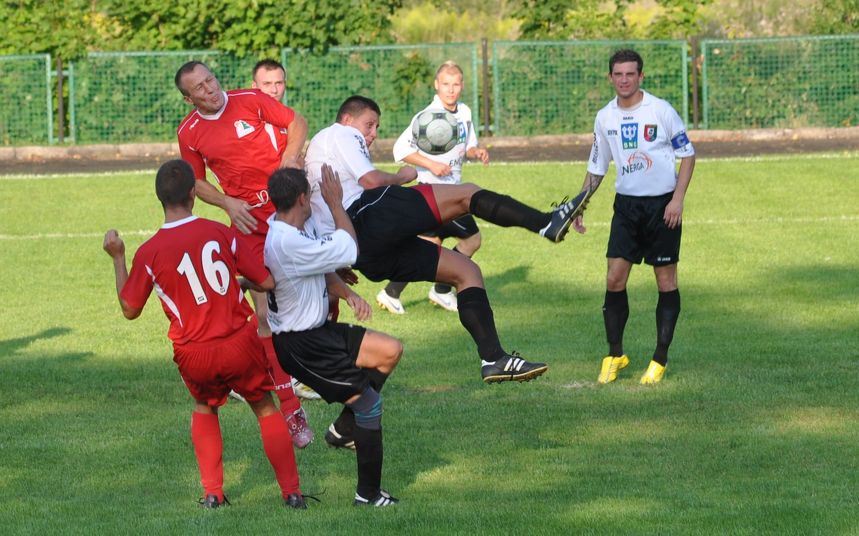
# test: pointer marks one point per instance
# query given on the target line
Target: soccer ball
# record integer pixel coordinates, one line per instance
(436, 131)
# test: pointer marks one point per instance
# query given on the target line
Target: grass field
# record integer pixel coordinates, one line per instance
(754, 429)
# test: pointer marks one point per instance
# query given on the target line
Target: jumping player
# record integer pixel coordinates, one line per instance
(192, 264)
(441, 169)
(342, 362)
(644, 135)
(243, 135)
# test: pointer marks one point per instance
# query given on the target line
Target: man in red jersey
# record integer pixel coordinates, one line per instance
(192, 265)
(243, 136)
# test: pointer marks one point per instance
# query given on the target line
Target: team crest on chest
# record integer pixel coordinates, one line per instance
(649, 132)
(243, 128)
(629, 135)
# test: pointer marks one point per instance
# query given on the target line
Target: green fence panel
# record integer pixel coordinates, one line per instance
(557, 87)
(25, 111)
(398, 77)
(131, 97)
(781, 82)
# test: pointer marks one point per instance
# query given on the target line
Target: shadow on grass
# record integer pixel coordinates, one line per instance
(11, 346)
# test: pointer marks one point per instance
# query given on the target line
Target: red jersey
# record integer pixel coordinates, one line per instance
(192, 265)
(242, 144)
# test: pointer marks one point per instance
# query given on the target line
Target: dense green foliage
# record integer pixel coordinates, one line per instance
(753, 430)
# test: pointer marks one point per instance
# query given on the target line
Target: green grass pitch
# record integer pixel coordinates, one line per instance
(754, 429)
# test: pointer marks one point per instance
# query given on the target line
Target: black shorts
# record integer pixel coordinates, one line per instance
(462, 227)
(324, 358)
(388, 221)
(638, 231)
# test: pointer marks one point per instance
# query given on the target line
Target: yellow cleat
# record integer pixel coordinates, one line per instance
(654, 374)
(610, 367)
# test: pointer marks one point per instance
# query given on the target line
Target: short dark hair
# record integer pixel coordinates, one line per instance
(355, 106)
(268, 65)
(173, 182)
(284, 187)
(625, 55)
(183, 70)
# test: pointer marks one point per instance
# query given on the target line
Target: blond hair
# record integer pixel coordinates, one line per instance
(449, 66)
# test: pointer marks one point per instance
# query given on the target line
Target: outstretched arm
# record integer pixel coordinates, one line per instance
(377, 177)
(592, 182)
(115, 247)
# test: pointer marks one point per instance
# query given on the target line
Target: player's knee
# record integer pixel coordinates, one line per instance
(395, 351)
(368, 409)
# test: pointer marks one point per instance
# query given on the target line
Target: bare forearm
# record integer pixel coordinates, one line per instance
(417, 159)
(377, 178)
(343, 221)
(336, 286)
(684, 177)
(592, 182)
(295, 142)
(209, 194)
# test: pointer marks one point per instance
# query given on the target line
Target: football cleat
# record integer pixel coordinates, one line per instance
(301, 433)
(295, 501)
(388, 303)
(337, 440)
(564, 214)
(382, 499)
(236, 396)
(445, 301)
(511, 367)
(611, 365)
(212, 502)
(303, 391)
(654, 373)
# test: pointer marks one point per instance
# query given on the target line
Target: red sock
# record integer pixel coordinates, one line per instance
(289, 403)
(278, 447)
(208, 448)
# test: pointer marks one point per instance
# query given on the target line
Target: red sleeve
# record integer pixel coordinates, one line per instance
(271, 111)
(190, 155)
(247, 263)
(139, 285)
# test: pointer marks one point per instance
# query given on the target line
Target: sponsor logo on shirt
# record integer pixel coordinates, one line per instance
(194, 124)
(628, 117)
(596, 150)
(243, 128)
(649, 132)
(629, 135)
(462, 129)
(637, 162)
(362, 145)
(611, 132)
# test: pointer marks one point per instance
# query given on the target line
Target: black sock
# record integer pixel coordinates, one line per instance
(369, 455)
(395, 288)
(476, 315)
(615, 312)
(345, 423)
(667, 313)
(444, 288)
(505, 211)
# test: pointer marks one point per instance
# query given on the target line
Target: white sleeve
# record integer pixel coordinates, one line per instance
(406, 144)
(321, 255)
(471, 139)
(352, 153)
(677, 133)
(600, 156)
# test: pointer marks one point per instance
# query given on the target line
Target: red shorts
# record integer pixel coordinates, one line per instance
(236, 362)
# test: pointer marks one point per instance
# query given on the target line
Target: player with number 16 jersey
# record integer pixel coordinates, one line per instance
(192, 263)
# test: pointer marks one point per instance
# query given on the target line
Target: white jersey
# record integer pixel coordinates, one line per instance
(644, 144)
(344, 149)
(298, 261)
(406, 144)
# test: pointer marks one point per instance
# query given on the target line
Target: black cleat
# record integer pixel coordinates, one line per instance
(212, 502)
(564, 214)
(511, 367)
(296, 501)
(382, 499)
(337, 440)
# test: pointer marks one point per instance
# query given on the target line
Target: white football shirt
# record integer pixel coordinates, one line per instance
(644, 144)
(298, 261)
(344, 149)
(406, 144)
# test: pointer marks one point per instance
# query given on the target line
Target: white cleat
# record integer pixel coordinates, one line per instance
(392, 305)
(445, 301)
(236, 396)
(303, 391)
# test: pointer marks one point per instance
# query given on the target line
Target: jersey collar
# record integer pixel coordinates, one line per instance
(646, 99)
(436, 103)
(216, 115)
(177, 223)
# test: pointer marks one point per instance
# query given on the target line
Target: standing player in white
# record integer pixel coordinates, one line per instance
(441, 169)
(644, 135)
(342, 362)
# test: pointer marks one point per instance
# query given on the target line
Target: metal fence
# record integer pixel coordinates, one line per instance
(398, 77)
(26, 108)
(542, 87)
(781, 82)
(535, 87)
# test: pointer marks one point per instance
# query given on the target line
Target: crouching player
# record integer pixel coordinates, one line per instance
(342, 362)
(192, 264)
